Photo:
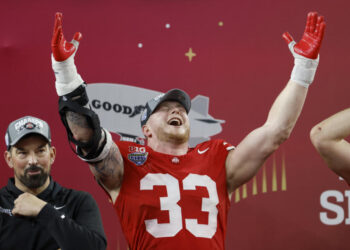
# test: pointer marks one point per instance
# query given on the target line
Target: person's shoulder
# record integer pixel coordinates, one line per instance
(128, 143)
(4, 190)
(72, 192)
(215, 144)
(129, 146)
(78, 196)
(76, 192)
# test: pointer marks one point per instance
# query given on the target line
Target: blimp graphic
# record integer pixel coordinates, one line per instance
(120, 106)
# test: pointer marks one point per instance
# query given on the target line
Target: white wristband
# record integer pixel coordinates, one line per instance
(304, 69)
(67, 77)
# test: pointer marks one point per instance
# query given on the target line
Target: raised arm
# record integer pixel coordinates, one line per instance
(244, 162)
(93, 144)
(328, 137)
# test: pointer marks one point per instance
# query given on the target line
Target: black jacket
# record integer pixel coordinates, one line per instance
(70, 220)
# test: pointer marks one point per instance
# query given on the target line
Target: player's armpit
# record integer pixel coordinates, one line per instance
(250, 154)
(109, 172)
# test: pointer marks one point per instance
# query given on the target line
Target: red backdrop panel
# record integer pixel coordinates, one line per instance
(241, 63)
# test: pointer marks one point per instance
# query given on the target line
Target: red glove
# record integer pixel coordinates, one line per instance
(61, 49)
(310, 43)
(62, 58)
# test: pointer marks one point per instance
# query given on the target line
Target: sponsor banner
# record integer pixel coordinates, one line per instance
(120, 106)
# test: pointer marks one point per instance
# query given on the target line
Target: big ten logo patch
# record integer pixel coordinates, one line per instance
(137, 149)
(137, 155)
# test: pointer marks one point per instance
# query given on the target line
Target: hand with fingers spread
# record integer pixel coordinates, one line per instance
(306, 51)
(310, 43)
(63, 52)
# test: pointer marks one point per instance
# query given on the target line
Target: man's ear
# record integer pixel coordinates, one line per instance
(52, 154)
(146, 131)
(8, 158)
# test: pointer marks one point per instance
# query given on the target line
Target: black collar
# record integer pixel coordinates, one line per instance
(44, 195)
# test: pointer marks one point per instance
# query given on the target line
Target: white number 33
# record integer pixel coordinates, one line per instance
(169, 203)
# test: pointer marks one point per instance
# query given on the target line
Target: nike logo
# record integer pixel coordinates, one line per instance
(230, 147)
(203, 151)
(58, 208)
(6, 211)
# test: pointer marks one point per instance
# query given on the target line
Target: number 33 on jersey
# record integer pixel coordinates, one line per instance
(174, 202)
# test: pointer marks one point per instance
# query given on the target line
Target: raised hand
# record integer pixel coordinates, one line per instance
(62, 58)
(310, 43)
(61, 49)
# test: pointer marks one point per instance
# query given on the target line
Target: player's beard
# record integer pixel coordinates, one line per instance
(170, 135)
(33, 181)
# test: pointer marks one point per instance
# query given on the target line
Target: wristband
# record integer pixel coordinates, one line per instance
(304, 69)
(67, 77)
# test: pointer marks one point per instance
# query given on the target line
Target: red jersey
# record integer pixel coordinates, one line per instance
(174, 202)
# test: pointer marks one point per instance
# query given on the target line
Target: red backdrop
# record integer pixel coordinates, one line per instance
(241, 63)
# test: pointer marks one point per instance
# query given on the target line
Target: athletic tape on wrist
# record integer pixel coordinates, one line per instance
(304, 69)
(67, 77)
(106, 148)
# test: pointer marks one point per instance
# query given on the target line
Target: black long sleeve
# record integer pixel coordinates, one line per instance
(83, 231)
